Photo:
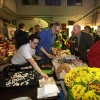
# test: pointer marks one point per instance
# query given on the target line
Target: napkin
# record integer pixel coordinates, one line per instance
(43, 82)
(48, 90)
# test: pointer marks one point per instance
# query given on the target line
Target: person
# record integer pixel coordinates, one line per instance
(84, 42)
(88, 29)
(94, 53)
(31, 31)
(38, 29)
(25, 53)
(64, 38)
(45, 45)
(21, 37)
(72, 41)
(97, 37)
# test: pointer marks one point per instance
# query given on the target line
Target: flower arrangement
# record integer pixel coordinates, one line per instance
(83, 83)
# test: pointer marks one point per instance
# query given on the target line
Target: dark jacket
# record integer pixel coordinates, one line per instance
(21, 37)
(85, 43)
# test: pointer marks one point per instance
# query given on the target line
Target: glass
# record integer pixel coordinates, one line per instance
(35, 43)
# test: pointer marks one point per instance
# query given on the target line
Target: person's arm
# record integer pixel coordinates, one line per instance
(26, 54)
(49, 55)
(37, 57)
(34, 64)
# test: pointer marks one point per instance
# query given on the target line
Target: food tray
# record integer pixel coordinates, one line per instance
(12, 79)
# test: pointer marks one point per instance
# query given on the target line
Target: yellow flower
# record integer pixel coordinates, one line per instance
(78, 91)
(84, 82)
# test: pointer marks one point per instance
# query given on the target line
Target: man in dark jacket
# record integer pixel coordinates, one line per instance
(84, 42)
(21, 37)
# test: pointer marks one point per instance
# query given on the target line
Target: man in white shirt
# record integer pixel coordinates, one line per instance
(25, 53)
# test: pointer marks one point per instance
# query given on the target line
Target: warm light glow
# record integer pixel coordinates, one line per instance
(95, 27)
(1, 3)
(70, 29)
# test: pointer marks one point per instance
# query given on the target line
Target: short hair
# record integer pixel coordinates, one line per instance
(37, 25)
(21, 25)
(87, 26)
(31, 29)
(34, 36)
(78, 26)
(56, 24)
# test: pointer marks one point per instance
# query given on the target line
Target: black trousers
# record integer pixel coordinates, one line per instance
(44, 60)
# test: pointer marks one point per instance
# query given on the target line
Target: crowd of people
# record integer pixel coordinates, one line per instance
(38, 44)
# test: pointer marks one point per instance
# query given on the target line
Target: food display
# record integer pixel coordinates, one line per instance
(62, 70)
(64, 67)
(22, 78)
(58, 52)
(7, 50)
(64, 62)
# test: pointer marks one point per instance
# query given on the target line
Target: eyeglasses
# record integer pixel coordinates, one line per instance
(56, 29)
(35, 43)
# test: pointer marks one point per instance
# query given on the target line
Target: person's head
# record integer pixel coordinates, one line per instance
(38, 28)
(21, 26)
(98, 30)
(34, 40)
(76, 29)
(31, 30)
(56, 28)
(87, 29)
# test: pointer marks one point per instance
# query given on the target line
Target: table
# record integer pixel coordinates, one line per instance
(8, 93)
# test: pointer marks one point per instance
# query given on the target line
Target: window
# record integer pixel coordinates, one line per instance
(29, 2)
(74, 2)
(53, 2)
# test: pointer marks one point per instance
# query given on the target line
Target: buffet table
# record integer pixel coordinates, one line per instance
(27, 86)
(11, 91)
(24, 91)
(22, 84)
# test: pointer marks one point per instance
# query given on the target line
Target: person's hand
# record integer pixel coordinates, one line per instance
(45, 76)
(88, 50)
(51, 56)
(38, 58)
(76, 49)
